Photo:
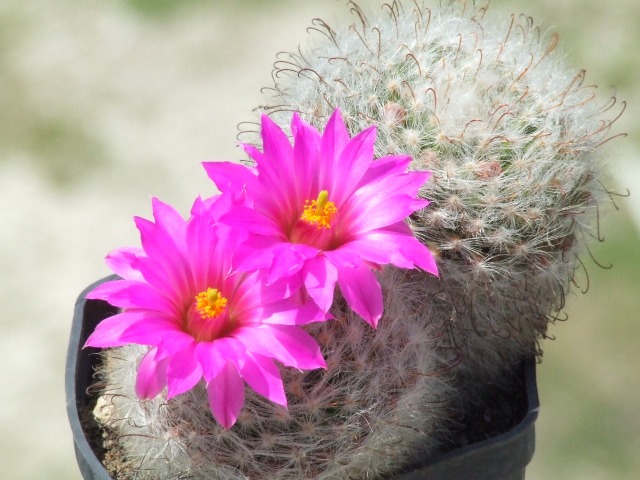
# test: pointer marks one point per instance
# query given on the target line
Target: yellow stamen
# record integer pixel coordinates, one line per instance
(319, 212)
(210, 303)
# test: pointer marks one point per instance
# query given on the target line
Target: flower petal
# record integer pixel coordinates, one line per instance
(123, 262)
(272, 292)
(157, 330)
(355, 159)
(166, 249)
(262, 374)
(226, 395)
(108, 333)
(210, 245)
(278, 154)
(152, 375)
(253, 152)
(383, 247)
(306, 152)
(320, 277)
(334, 138)
(131, 294)
(230, 175)
(290, 345)
(298, 309)
(251, 220)
(363, 294)
(168, 219)
(384, 202)
(214, 355)
(289, 259)
(384, 166)
(183, 372)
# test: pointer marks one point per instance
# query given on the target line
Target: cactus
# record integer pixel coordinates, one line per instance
(378, 403)
(511, 136)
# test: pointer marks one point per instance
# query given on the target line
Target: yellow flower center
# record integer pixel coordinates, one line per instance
(319, 212)
(210, 303)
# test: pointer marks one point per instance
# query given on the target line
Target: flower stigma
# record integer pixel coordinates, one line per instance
(319, 212)
(210, 303)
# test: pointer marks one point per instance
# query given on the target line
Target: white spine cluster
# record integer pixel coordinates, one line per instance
(510, 134)
(379, 403)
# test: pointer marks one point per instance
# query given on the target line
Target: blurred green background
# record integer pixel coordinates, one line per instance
(105, 102)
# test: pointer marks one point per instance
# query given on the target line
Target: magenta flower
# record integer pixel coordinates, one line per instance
(323, 211)
(180, 295)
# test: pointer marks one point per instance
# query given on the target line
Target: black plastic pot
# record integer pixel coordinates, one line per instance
(79, 377)
(504, 457)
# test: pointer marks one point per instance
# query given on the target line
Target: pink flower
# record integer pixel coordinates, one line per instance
(323, 211)
(180, 295)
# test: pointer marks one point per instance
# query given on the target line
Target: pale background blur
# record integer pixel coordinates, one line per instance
(104, 103)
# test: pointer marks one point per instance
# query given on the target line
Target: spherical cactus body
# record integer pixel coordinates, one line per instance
(511, 135)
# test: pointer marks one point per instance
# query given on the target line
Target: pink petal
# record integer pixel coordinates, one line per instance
(218, 205)
(368, 250)
(166, 251)
(320, 277)
(231, 175)
(382, 247)
(334, 138)
(253, 152)
(290, 345)
(277, 157)
(262, 374)
(355, 159)
(123, 262)
(251, 220)
(109, 331)
(226, 395)
(214, 355)
(252, 296)
(385, 166)
(254, 253)
(383, 202)
(398, 184)
(152, 375)
(363, 294)
(364, 214)
(297, 310)
(183, 372)
(306, 152)
(168, 218)
(272, 292)
(201, 244)
(343, 257)
(131, 294)
(155, 330)
(155, 276)
(104, 290)
(210, 246)
(288, 259)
